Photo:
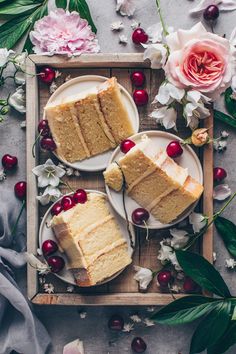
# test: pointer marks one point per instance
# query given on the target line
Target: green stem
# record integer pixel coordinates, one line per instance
(67, 185)
(165, 32)
(215, 216)
(35, 142)
(18, 217)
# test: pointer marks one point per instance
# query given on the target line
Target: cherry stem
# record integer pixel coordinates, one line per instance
(35, 142)
(165, 32)
(147, 230)
(18, 217)
(214, 217)
(67, 185)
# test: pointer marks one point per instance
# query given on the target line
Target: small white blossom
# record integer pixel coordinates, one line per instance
(134, 25)
(42, 280)
(18, 100)
(195, 108)
(70, 289)
(76, 173)
(53, 87)
(175, 263)
(148, 322)
(224, 134)
(51, 194)
(197, 220)
(128, 327)
(221, 192)
(214, 256)
(57, 74)
(169, 93)
(165, 116)
(179, 238)
(222, 145)
(151, 308)
(135, 318)
(19, 60)
(125, 7)
(48, 288)
(164, 252)
(175, 289)
(143, 276)
(230, 263)
(83, 315)
(69, 171)
(67, 78)
(156, 53)
(223, 5)
(23, 124)
(4, 56)
(3, 175)
(117, 26)
(48, 174)
(123, 39)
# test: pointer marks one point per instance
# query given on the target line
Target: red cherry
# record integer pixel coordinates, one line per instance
(164, 278)
(47, 75)
(48, 143)
(219, 174)
(139, 36)
(9, 162)
(140, 216)
(49, 247)
(56, 209)
(80, 196)
(174, 149)
(138, 345)
(43, 128)
(67, 202)
(116, 323)
(137, 78)
(211, 13)
(126, 145)
(56, 263)
(20, 190)
(189, 285)
(140, 97)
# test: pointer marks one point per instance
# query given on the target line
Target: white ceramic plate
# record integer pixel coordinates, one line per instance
(188, 160)
(83, 83)
(46, 233)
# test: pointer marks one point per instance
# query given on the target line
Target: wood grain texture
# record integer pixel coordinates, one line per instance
(124, 289)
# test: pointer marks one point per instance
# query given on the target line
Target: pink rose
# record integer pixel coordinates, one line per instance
(200, 60)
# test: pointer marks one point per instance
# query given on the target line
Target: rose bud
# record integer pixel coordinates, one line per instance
(200, 137)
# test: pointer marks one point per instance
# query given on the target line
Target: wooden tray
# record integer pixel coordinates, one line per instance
(124, 289)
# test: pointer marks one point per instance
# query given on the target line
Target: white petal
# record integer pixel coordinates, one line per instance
(125, 7)
(221, 192)
(154, 33)
(75, 347)
(43, 181)
(20, 78)
(169, 120)
(157, 54)
(179, 238)
(227, 5)
(144, 276)
(197, 221)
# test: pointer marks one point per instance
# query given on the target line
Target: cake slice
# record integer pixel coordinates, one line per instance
(92, 241)
(89, 123)
(154, 181)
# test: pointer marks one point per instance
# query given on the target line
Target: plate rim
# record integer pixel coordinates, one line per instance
(40, 232)
(102, 79)
(171, 135)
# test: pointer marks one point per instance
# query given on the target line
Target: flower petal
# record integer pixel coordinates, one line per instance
(221, 192)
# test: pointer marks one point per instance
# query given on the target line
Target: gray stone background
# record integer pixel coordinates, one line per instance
(64, 323)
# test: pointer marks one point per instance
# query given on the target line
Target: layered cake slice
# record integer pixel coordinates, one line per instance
(92, 241)
(154, 181)
(89, 123)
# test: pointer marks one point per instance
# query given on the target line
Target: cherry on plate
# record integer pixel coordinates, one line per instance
(56, 263)
(56, 209)
(48, 144)
(67, 202)
(126, 145)
(174, 149)
(49, 247)
(140, 216)
(80, 196)
(43, 128)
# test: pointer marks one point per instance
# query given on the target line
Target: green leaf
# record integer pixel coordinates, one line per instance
(230, 103)
(202, 272)
(184, 310)
(225, 118)
(83, 9)
(18, 8)
(227, 230)
(211, 328)
(61, 3)
(12, 31)
(226, 341)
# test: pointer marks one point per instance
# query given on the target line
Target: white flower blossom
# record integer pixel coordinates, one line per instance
(214, 256)
(224, 134)
(134, 25)
(223, 5)
(3, 175)
(18, 100)
(156, 53)
(83, 315)
(135, 318)
(179, 238)
(117, 26)
(143, 276)
(48, 288)
(48, 174)
(175, 289)
(4, 56)
(165, 116)
(123, 39)
(128, 327)
(125, 7)
(75, 347)
(155, 33)
(36, 263)
(164, 252)
(53, 87)
(222, 145)
(221, 192)
(197, 220)
(51, 194)
(148, 322)
(23, 124)
(195, 108)
(169, 93)
(151, 308)
(70, 288)
(230, 263)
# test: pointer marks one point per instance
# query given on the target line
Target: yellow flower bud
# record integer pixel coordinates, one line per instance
(200, 137)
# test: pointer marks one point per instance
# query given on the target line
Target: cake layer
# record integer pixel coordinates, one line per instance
(114, 111)
(105, 266)
(113, 177)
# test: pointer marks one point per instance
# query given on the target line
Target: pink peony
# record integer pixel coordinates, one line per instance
(62, 32)
(200, 60)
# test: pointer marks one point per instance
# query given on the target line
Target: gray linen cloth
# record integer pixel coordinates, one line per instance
(20, 330)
